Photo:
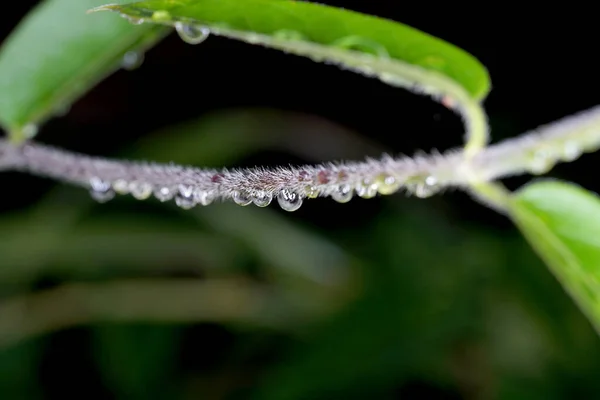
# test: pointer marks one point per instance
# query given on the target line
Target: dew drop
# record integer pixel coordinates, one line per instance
(132, 60)
(366, 189)
(312, 192)
(100, 190)
(133, 20)
(541, 162)
(164, 193)
(342, 194)
(192, 34)
(361, 44)
(241, 198)
(262, 199)
(29, 131)
(204, 197)
(185, 197)
(571, 151)
(288, 200)
(140, 190)
(387, 184)
(427, 188)
(121, 186)
(161, 15)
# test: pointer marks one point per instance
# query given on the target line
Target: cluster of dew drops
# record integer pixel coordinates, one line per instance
(188, 196)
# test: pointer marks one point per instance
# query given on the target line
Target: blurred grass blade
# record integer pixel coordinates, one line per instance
(137, 245)
(282, 24)
(149, 301)
(562, 222)
(55, 55)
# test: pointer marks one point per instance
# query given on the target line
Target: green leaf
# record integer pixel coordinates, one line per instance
(55, 55)
(321, 32)
(562, 223)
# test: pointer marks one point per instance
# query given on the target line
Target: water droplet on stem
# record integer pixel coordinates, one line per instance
(387, 184)
(262, 199)
(312, 192)
(571, 151)
(205, 197)
(121, 186)
(185, 197)
(342, 194)
(133, 20)
(427, 187)
(541, 162)
(164, 193)
(29, 131)
(132, 60)
(366, 189)
(289, 200)
(100, 190)
(192, 34)
(140, 190)
(241, 198)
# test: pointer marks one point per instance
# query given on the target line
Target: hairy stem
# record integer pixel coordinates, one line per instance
(534, 152)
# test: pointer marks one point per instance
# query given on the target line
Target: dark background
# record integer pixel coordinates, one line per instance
(451, 302)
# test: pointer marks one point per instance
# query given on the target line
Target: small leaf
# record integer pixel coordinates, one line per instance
(562, 223)
(317, 31)
(55, 55)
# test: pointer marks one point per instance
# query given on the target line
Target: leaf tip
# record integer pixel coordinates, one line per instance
(106, 7)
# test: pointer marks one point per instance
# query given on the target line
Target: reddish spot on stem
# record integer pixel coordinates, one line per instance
(323, 177)
(217, 178)
(448, 102)
(304, 176)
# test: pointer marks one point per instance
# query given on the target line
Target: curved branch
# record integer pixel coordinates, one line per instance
(534, 152)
